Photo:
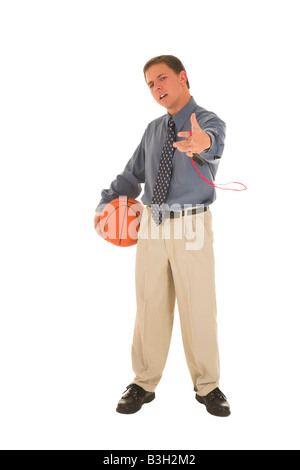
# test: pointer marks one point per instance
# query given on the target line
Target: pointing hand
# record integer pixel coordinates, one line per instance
(195, 142)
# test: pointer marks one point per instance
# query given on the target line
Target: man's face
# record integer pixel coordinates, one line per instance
(167, 87)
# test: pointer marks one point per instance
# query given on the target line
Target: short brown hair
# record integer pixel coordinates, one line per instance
(170, 60)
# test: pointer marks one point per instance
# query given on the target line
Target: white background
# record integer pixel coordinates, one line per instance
(74, 106)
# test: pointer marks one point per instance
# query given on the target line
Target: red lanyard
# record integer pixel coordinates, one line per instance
(219, 185)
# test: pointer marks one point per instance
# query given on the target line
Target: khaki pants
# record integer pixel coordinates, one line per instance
(171, 264)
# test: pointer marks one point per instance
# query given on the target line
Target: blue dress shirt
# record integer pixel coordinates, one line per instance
(186, 186)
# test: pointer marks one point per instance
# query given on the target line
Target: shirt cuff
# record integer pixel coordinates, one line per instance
(100, 207)
(210, 154)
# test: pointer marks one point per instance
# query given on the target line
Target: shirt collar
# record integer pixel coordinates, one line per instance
(184, 114)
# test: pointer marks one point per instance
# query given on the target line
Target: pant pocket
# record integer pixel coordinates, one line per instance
(194, 232)
(208, 226)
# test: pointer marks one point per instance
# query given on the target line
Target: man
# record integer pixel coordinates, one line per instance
(168, 266)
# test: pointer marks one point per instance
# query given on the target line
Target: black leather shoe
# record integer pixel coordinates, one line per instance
(216, 403)
(133, 399)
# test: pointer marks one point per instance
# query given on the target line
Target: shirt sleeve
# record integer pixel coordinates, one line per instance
(216, 129)
(127, 183)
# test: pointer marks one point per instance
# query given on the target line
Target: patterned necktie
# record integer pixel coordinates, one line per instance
(163, 179)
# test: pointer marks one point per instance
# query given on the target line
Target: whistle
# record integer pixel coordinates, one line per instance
(196, 157)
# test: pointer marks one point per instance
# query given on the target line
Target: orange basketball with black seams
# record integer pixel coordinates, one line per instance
(120, 221)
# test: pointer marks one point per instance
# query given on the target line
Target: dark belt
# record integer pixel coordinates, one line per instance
(174, 215)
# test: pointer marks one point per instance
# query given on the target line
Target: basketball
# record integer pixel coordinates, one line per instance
(120, 221)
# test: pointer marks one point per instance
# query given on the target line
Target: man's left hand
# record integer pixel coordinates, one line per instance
(195, 142)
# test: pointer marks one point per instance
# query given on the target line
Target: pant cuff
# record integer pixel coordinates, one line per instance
(206, 389)
(145, 386)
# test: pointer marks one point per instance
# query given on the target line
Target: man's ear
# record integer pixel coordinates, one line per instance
(183, 77)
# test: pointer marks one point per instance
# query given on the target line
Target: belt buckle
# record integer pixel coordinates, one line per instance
(174, 215)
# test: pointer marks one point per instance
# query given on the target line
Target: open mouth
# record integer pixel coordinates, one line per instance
(162, 97)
